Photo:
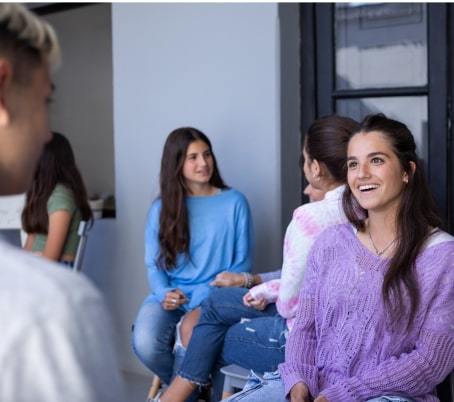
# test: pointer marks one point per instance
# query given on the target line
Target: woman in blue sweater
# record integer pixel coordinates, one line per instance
(196, 229)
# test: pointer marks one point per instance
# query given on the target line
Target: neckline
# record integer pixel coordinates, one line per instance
(216, 194)
(362, 249)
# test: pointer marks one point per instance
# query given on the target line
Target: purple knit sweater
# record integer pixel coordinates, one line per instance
(340, 345)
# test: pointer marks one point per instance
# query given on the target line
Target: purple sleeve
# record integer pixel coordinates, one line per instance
(268, 276)
(299, 365)
(431, 360)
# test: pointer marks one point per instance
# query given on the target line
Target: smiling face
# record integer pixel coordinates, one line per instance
(375, 175)
(198, 165)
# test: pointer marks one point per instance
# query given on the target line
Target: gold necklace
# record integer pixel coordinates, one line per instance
(379, 253)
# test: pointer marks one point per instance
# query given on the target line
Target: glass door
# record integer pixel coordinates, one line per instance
(383, 57)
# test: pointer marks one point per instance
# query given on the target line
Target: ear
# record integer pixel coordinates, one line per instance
(316, 169)
(413, 169)
(5, 83)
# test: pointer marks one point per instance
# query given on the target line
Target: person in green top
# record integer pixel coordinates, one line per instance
(55, 203)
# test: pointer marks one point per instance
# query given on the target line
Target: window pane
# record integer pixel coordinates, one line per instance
(380, 45)
(411, 110)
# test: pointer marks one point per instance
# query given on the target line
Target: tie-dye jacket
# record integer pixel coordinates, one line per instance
(308, 221)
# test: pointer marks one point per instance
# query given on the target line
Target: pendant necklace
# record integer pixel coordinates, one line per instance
(380, 252)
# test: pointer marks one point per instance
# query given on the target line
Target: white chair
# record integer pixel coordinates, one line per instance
(235, 378)
(83, 233)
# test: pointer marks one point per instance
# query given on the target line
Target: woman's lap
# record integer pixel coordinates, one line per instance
(257, 344)
(270, 388)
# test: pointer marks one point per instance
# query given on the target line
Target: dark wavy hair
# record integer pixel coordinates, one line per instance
(326, 140)
(416, 217)
(174, 236)
(56, 165)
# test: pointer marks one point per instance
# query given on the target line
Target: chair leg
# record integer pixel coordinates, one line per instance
(156, 383)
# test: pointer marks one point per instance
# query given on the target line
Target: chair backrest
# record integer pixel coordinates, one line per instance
(83, 233)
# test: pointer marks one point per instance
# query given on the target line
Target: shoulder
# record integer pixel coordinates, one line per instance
(438, 251)
(61, 196)
(234, 195)
(155, 207)
(62, 191)
(229, 198)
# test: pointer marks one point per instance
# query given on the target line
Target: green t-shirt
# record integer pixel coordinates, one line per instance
(62, 198)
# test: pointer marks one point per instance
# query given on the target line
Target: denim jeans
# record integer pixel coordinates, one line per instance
(256, 344)
(270, 388)
(222, 309)
(153, 338)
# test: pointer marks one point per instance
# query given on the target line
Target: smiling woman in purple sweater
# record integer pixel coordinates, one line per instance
(375, 320)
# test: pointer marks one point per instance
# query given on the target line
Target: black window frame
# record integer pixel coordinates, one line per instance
(319, 95)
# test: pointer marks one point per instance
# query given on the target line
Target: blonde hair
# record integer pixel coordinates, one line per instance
(26, 38)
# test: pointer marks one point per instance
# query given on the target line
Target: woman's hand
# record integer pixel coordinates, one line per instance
(228, 279)
(300, 393)
(258, 303)
(320, 398)
(174, 299)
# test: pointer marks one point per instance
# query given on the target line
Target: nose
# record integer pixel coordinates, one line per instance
(363, 171)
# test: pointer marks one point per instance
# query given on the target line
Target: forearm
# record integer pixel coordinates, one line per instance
(267, 276)
(300, 349)
(414, 373)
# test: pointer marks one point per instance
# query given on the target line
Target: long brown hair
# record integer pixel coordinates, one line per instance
(415, 219)
(56, 165)
(174, 236)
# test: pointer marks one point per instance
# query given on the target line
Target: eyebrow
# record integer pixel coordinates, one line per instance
(372, 154)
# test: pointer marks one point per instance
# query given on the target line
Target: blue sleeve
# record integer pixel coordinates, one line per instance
(244, 237)
(157, 277)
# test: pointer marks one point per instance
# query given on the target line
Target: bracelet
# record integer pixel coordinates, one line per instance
(248, 280)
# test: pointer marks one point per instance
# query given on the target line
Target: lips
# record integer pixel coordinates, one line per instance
(367, 187)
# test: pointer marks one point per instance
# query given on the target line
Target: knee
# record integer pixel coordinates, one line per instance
(145, 345)
(221, 298)
(187, 325)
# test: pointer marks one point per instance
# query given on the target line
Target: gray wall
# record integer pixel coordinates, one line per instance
(83, 107)
(213, 66)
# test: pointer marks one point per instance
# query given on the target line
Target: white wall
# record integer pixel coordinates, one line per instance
(213, 66)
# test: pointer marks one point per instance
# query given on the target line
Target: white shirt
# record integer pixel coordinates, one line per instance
(56, 340)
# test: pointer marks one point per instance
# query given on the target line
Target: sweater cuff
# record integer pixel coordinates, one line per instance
(337, 393)
(290, 377)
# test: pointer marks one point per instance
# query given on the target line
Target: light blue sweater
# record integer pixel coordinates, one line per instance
(221, 239)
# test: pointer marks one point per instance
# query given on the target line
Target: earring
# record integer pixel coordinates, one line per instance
(406, 179)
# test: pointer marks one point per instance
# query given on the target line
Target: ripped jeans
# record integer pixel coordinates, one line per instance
(257, 344)
(221, 320)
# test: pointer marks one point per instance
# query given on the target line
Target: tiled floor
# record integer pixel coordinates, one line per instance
(136, 386)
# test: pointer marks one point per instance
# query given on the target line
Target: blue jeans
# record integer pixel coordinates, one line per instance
(222, 309)
(153, 338)
(270, 388)
(257, 344)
